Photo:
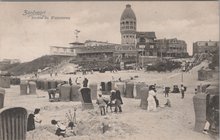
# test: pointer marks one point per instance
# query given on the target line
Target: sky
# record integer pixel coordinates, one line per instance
(24, 38)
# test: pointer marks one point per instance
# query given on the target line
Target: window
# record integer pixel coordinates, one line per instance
(142, 39)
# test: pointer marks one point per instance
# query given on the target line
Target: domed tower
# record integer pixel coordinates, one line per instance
(128, 26)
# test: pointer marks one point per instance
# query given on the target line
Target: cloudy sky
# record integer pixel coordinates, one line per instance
(25, 38)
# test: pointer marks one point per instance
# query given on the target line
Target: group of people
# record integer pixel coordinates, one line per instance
(34, 121)
(153, 101)
(115, 101)
(84, 83)
(182, 90)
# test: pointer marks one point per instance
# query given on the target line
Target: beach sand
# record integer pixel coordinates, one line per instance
(167, 123)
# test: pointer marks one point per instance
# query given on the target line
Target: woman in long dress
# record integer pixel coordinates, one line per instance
(151, 101)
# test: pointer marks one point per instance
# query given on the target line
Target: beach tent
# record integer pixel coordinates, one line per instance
(32, 87)
(74, 94)
(138, 89)
(204, 74)
(13, 124)
(144, 91)
(5, 81)
(15, 81)
(2, 97)
(121, 87)
(65, 92)
(199, 101)
(93, 87)
(129, 90)
(51, 84)
(23, 87)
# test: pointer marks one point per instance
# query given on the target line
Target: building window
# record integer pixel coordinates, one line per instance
(151, 46)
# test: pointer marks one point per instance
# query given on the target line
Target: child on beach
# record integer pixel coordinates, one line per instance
(168, 103)
(60, 128)
(101, 102)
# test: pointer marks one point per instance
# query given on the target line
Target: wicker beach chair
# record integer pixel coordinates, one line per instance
(13, 123)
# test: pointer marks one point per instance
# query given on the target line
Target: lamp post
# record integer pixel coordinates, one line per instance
(142, 60)
(183, 69)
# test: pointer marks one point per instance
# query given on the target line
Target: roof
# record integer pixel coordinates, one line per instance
(128, 13)
(96, 49)
(95, 41)
(125, 48)
(145, 34)
(77, 43)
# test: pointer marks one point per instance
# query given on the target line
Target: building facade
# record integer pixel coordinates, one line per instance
(171, 48)
(205, 47)
(145, 43)
(136, 46)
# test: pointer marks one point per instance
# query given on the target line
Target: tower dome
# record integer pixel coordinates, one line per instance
(128, 26)
(128, 13)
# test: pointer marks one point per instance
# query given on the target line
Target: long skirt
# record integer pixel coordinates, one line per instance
(151, 104)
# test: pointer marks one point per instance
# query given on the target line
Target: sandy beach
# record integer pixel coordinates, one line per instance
(176, 122)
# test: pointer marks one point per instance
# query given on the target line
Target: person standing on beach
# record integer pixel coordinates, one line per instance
(100, 101)
(155, 95)
(151, 101)
(182, 89)
(85, 82)
(119, 101)
(70, 81)
(166, 91)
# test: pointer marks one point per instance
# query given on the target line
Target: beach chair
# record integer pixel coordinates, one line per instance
(86, 98)
(13, 123)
